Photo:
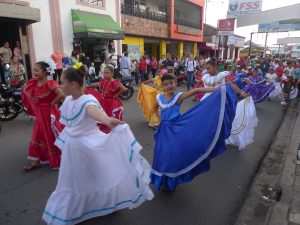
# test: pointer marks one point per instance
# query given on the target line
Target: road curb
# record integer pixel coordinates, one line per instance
(271, 193)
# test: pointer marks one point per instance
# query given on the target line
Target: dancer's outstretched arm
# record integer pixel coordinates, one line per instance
(192, 92)
(100, 116)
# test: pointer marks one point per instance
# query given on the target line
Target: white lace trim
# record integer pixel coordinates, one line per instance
(210, 148)
(173, 102)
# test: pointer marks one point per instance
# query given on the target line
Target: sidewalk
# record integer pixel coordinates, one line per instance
(274, 196)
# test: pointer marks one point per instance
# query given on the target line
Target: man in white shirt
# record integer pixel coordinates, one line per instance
(190, 66)
(125, 65)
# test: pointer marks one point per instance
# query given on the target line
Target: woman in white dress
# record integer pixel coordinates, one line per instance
(99, 173)
(271, 77)
(245, 121)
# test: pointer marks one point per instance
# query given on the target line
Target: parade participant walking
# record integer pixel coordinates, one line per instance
(108, 95)
(171, 165)
(257, 87)
(245, 120)
(190, 68)
(147, 98)
(99, 173)
(40, 97)
(272, 78)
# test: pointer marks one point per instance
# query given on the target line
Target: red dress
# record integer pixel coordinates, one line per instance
(199, 84)
(46, 127)
(110, 104)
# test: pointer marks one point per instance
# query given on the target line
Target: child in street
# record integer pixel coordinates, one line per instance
(100, 173)
(186, 143)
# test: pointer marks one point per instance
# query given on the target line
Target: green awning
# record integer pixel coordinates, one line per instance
(92, 25)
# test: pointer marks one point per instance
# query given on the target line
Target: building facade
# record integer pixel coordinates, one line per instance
(156, 27)
(61, 26)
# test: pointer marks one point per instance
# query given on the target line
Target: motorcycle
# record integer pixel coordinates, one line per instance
(10, 100)
(127, 83)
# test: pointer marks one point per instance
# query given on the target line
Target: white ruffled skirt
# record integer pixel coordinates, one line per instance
(99, 174)
(244, 123)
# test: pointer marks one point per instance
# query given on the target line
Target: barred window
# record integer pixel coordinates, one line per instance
(93, 3)
(188, 14)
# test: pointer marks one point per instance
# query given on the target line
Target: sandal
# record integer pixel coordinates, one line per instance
(31, 167)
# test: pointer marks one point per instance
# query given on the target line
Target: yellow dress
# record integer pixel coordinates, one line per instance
(147, 99)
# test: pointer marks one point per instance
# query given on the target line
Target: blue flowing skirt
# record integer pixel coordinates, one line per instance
(185, 145)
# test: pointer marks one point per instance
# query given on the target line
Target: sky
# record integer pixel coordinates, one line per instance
(217, 9)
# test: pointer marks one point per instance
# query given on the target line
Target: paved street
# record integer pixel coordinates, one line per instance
(213, 198)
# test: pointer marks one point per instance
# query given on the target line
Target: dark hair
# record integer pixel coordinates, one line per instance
(125, 54)
(212, 63)
(76, 75)
(44, 67)
(168, 76)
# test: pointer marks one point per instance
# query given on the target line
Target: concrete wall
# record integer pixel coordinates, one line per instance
(42, 33)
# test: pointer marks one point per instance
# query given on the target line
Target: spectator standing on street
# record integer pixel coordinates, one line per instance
(291, 69)
(125, 65)
(190, 68)
(5, 57)
(143, 69)
(18, 52)
(154, 66)
(163, 58)
(17, 72)
(134, 71)
(57, 58)
(148, 61)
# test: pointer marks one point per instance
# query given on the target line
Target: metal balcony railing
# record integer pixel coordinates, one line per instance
(187, 23)
(143, 13)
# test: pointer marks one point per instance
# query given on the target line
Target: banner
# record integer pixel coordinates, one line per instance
(237, 41)
(278, 27)
(226, 26)
(237, 7)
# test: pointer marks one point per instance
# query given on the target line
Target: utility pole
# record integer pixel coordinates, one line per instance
(265, 48)
(250, 45)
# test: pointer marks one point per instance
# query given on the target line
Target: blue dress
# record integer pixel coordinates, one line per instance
(186, 143)
(239, 81)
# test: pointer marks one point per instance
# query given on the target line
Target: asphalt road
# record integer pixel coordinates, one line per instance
(213, 198)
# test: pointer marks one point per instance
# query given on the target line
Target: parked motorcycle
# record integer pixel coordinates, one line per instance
(126, 81)
(10, 101)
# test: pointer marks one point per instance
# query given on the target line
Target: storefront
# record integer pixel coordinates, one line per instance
(95, 34)
(15, 23)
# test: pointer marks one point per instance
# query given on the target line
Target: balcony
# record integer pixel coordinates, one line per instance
(187, 23)
(143, 13)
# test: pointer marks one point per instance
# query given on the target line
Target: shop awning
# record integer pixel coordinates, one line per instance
(92, 25)
(26, 13)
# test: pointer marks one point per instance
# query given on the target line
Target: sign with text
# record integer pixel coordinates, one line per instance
(226, 26)
(237, 7)
(278, 27)
(236, 41)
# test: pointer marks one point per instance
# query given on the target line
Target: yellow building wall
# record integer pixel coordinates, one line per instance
(180, 49)
(163, 48)
(136, 41)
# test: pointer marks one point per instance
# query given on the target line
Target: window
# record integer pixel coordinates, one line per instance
(188, 14)
(92, 3)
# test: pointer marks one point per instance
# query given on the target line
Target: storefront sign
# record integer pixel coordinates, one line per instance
(134, 52)
(188, 30)
(226, 26)
(236, 41)
(237, 7)
(277, 27)
(93, 3)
